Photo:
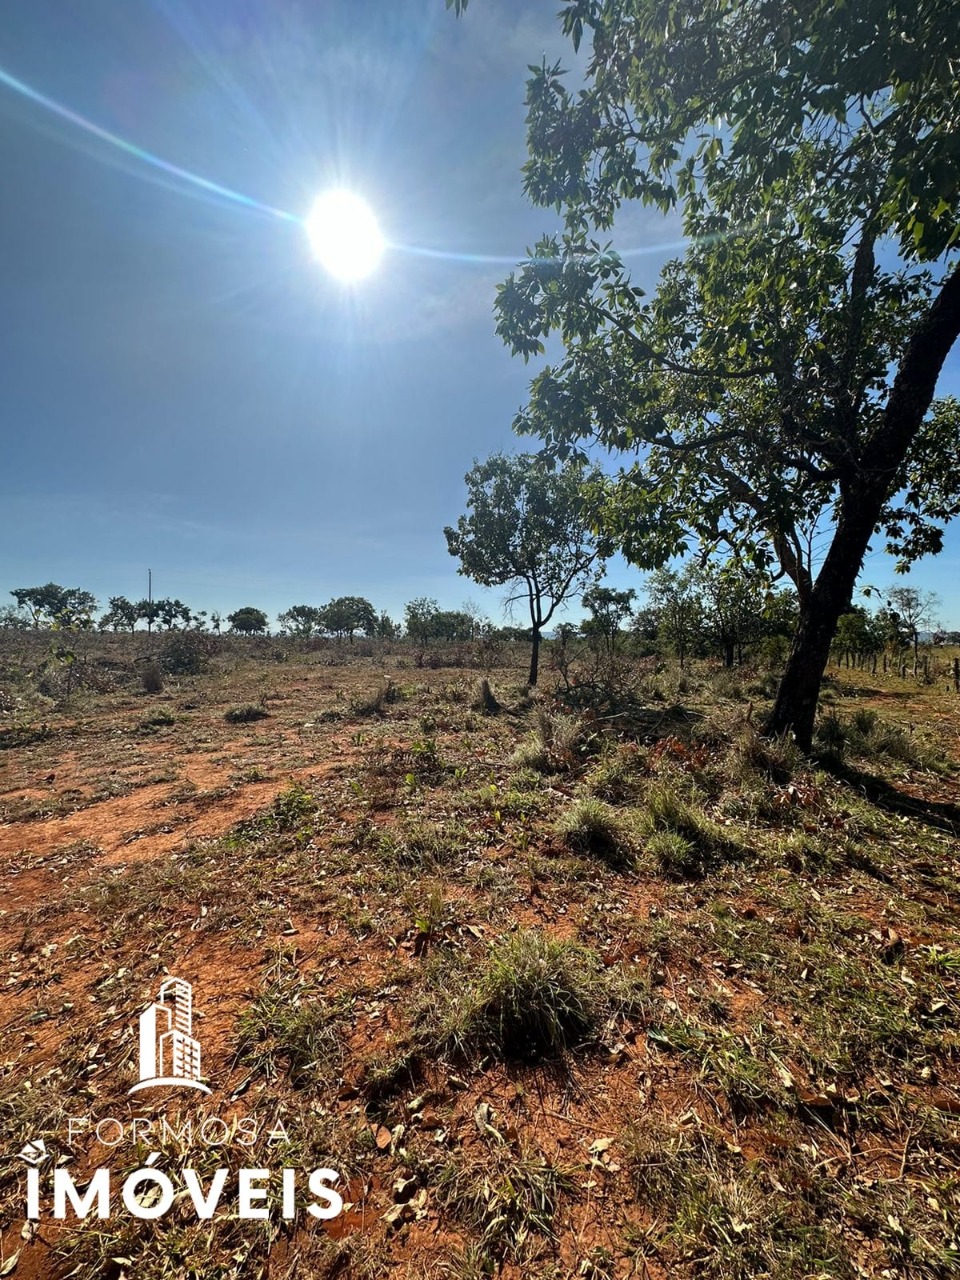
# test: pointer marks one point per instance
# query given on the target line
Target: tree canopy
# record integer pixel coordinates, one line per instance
(780, 382)
(347, 615)
(55, 605)
(248, 621)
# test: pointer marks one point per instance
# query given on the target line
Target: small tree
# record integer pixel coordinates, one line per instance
(387, 629)
(527, 527)
(248, 621)
(860, 635)
(675, 596)
(149, 611)
(735, 604)
(609, 610)
(123, 614)
(419, 619)
(454, 626)
(915, 610)
(301, 620)
(170, 612)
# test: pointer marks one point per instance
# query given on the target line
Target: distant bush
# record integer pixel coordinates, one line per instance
(245, 714)
(151, 677)
(186, 653)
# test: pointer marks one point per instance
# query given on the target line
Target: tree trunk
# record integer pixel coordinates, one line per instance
(861, 505)
(534, 658)
(728, 653)
(795, 708)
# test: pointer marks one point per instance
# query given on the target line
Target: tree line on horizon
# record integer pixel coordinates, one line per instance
(707, 610)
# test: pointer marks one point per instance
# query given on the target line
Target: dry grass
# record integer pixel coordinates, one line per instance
(454, 950)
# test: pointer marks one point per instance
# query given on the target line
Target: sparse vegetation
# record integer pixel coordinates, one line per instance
(246, 714)
(619, 948)
(506, 1198)
(457, 949)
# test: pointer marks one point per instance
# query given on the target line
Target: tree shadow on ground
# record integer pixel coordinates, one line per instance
(940, 814)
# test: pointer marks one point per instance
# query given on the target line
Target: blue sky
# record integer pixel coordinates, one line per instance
(183, 388)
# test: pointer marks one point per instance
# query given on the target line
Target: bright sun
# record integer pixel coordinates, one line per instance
(344, 235)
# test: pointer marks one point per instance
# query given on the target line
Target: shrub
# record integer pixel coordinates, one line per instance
(245, 714)
(186, 653)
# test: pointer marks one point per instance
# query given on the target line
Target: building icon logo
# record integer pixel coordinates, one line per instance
(169, 1055)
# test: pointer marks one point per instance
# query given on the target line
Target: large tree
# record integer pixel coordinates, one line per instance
(248, 621)
(781, 381)
(57, 606)
(347, 615)
(526, 528)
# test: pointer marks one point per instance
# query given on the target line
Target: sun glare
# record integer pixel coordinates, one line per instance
(344, 235)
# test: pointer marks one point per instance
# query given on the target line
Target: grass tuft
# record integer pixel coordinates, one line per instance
(534, 996)
(507, 1198)
(591, 826)
(866, 736)
(679, 836)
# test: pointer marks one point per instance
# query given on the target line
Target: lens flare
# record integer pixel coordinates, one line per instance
(342, 229)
